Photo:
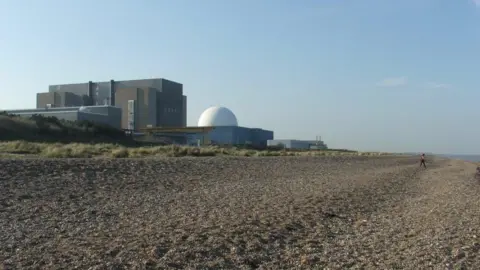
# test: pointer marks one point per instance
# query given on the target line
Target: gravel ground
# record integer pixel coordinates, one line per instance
(239, 213)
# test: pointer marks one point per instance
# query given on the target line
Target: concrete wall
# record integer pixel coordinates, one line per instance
(296, 144)
(145, 111)
(107, 115)
(146, 107)
(184, 107)
(289, 144)
(104, 92)
(170, 108)
(161, 102)
(122, 96)
(222, 135)
(68, 99)
(61, 99)
(261, 136)
(91, 93)
(253, 136)
(151, 106)
(47, 98)
(76, 88)
(171, 88)
(237, 135)
(145, 83)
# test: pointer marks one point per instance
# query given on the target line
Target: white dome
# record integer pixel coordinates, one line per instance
(217, 116)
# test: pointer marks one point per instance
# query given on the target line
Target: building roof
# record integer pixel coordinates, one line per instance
(52, 109)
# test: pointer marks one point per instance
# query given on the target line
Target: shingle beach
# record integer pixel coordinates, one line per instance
(344, 212)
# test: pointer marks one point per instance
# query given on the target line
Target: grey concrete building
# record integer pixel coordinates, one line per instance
(298, 144)
(153, 102)
(60, 99)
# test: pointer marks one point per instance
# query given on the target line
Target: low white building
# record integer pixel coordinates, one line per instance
(298, 144)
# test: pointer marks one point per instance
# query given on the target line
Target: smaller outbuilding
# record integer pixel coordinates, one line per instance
(297, 144)
(108, 115)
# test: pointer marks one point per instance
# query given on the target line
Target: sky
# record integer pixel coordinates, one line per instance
(370, 75)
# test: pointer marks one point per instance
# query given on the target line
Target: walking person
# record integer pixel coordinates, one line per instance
(422, 161)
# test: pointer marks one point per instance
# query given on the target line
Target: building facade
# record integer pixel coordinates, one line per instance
(297, 144)
(234, 135)
(108, 115)
(144, 103)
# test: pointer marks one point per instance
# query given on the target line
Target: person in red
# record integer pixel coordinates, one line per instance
(422, 161)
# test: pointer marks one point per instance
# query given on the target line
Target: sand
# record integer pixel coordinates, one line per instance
(239, 213)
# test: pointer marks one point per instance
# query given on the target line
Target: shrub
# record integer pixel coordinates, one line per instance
(41, 128)
(86, 150)
(121, 152)
(20, 147)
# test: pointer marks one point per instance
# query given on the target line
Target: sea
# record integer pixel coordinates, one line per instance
(474, 158)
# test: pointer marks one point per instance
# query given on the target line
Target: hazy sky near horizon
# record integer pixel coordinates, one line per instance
(383, 75)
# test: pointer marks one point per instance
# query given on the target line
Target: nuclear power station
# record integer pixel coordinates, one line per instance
(155, 107)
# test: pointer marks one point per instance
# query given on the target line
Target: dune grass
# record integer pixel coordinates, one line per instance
(83, 150)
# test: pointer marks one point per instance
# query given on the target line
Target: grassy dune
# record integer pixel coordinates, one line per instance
(53, 138)
(39, 128)
(84, 150)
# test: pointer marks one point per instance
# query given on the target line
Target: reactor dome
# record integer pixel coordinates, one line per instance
(217, 116)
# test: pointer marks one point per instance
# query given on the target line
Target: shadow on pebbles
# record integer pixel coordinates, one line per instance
(238, 213)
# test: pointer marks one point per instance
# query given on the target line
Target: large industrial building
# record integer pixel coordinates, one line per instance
(143, 103)
(217, 126)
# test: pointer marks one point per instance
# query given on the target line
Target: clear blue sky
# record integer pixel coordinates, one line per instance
(383, 75)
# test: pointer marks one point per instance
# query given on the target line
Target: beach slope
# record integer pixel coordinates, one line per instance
(258, 212)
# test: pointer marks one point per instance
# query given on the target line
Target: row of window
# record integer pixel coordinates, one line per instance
(171, 110)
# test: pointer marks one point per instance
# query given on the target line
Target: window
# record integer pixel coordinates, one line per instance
(171, 110)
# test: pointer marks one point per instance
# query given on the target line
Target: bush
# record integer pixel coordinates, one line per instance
(20, 147)
(121, 152)
(86, 150)
(39, 128)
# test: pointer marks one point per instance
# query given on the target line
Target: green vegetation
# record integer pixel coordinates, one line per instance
(83, 150)
(50, 137)
(38, 128)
